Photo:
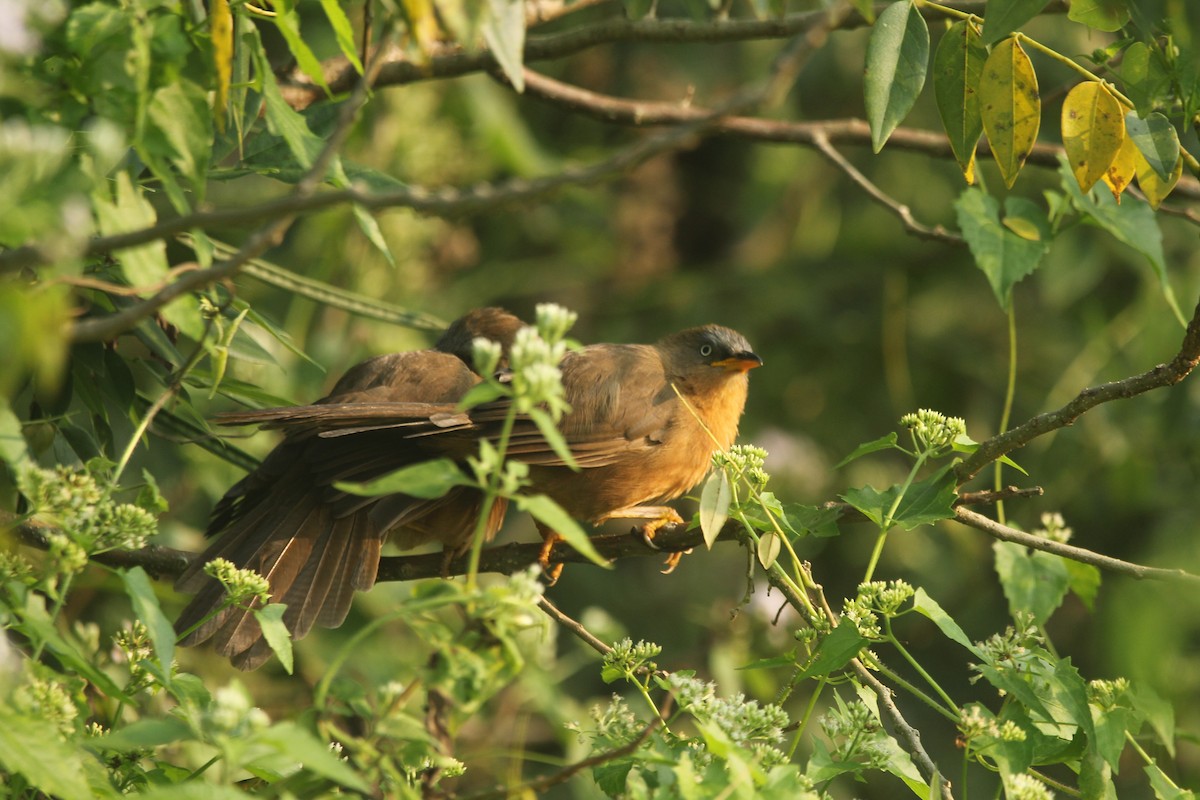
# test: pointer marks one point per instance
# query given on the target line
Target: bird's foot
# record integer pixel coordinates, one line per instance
(669, 516)
(552, 572)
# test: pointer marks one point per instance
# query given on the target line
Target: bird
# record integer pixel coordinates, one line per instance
(643, 423)
(315, 544)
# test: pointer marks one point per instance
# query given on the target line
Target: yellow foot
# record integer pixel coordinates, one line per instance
(549, 539)
(669, 516)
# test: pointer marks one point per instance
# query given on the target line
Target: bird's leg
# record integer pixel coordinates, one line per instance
(550, 537)
(659, 517)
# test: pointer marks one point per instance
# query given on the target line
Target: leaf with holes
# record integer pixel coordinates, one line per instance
(1093, 129)
(1121, 171)
(957, 69)
(1010, 107)
(897, 59)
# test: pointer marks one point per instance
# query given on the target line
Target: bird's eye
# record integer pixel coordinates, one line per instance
(706, 350)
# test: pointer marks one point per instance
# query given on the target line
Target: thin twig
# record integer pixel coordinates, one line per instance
(574, 627)
(1007, 534)
(937, 233)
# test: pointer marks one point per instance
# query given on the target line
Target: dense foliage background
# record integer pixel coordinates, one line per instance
(443, 188)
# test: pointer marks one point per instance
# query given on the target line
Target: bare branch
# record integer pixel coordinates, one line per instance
(937, 233)
(1007, 534)
(1162, 375)
(454, 61)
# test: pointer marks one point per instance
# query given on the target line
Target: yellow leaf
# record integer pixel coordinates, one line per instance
(1121, 171)
(1010, 107)
(1023, 228)
(1093, 128)
(1154, 187)
(221, 21)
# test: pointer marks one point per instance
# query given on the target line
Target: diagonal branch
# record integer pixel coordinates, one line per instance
(1160, 376)
(1007, 534)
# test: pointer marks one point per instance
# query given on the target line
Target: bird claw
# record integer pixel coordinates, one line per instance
(552, 572)
(651, 528)
(673, 561)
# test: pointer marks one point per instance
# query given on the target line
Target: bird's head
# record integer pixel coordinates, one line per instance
(488, 323)
(708, 352)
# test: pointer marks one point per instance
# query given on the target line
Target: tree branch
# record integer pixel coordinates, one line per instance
(1162, 375)
(1007, 534)
(453, 61)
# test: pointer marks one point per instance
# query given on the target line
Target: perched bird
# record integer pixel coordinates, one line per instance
(643, 425)
(315, 544)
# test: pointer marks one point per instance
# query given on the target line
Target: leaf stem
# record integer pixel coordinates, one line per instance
(1072, 64)
(1009, 394)
(491, 492)
(895, 642)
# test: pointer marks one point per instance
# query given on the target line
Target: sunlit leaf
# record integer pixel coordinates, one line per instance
(504, 31)
(220, 22)
(343, 31)
(925, 501)
(1121, 171)
(289, 739)
(1154, 187)
(1004, 256)
(287, 20)
(768, 549)
(897, 58)
(887, 442)
(128, 210)
(1157, 141)
(1010, 107)
(552, 515)
(925, 605)
(1093, 129)
(714, 505)
(270, 619)
(1103, 15)
(13, 451)
(957, 70)
(1005, 16)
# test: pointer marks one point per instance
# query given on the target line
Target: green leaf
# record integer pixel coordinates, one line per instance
(128, 210)
(552, 515)
(1146, 79)
(504, 31)
(815, 520)
(1005, 16)
(287, 20)
(282, 119)
(147, 609)
(836, 650)
(1158, 712)
(957, 70)
(897, 59)
(1157, 141)
(882, 443)
(769, 545)
(928, 607)
(295, 742)
(1164, 787)
(343, 31)
(1084, 580)
(1103, 15)
(36, 624)
(553, 436)
(1111, 725)
(1093, 129)
(1034, 582)
(13, 450)
(1095, 777)
(182, 132)
(1010, 106)
(1004, 256)
(34, 749)
(427, 480)
(925, 502)
(1133, 224)
(370, 228)
(270, 619)
(481, 393)
(715, 498)
(147, 732)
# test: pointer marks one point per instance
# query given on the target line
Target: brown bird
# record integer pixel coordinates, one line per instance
(644, 424)
(315, 544)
